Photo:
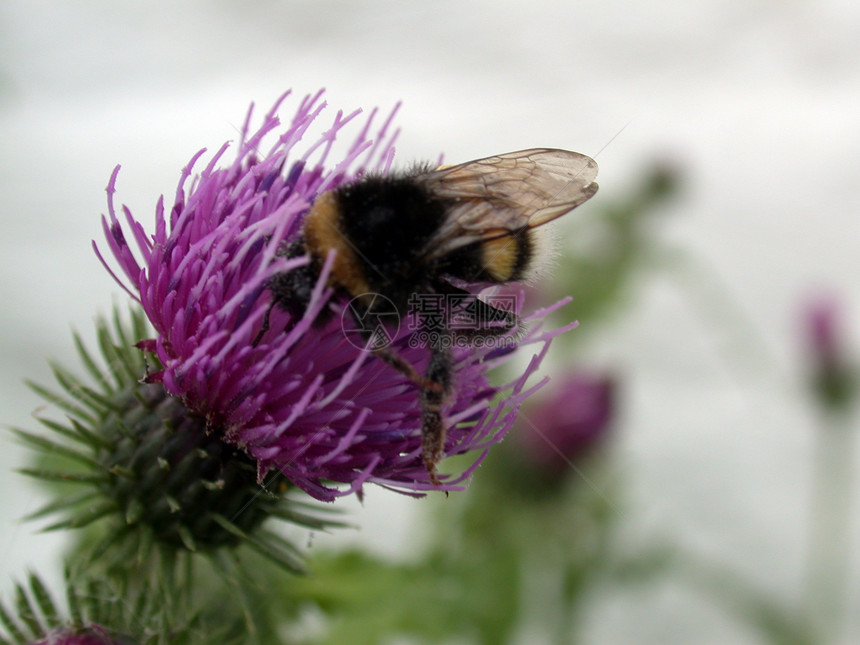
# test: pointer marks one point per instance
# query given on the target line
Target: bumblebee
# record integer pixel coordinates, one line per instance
(434, 231)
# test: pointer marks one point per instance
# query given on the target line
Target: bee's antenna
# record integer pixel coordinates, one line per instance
(614, 137)
(596, 154)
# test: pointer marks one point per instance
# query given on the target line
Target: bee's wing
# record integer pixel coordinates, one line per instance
(501, 195)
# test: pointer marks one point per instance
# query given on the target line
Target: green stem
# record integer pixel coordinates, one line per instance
(829, 547)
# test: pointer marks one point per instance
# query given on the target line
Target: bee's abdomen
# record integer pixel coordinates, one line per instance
(508, 258)
(502, 259)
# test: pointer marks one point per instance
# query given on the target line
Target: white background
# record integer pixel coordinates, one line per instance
(757, 102)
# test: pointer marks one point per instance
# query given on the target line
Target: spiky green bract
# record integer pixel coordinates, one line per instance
(97, 615)
(154, 482)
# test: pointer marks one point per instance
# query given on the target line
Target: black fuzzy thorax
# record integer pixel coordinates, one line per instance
(389, 221)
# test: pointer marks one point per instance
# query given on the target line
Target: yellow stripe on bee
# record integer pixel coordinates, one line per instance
(499, 257)
(322, 234)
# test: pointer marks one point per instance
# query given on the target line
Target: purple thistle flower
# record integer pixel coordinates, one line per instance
(823, 320)
(571, 420)
(833, 372)
(304, 400)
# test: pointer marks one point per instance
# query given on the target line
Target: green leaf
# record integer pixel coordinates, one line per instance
(284, 512)
(228, 525)
(11, 626)
(93, 599)
(62, 402)
(94, 370)
(134, 511)
(76, 389)
(145, 544)
(57, 476)
(109, 354)
(187, 538)
(278, 550)
(85, 516)
(26, 613)
(124, 357)
(72, 598)
(172, 503)
(48, 446)
(89, 437)
(61, 429)
(45, 602)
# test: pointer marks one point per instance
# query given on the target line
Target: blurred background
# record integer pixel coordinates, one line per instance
(728, 140)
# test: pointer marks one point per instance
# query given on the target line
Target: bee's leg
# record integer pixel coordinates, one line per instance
(407, 369)
(264, 327)
(291, 292)
(432, 424)
(492, 322)
(434, 384)
(487, 320)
